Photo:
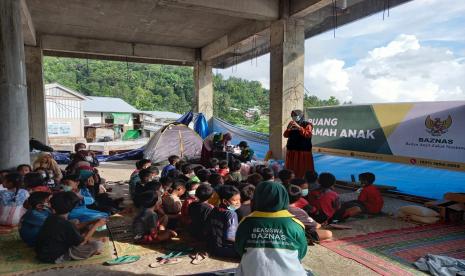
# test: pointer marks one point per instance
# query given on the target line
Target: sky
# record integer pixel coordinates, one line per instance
(415, 54)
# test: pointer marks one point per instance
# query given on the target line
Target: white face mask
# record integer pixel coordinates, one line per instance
(191, 193)
(296, 118)
(89, 158)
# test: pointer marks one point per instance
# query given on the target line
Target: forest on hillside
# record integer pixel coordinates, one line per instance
(165, 88)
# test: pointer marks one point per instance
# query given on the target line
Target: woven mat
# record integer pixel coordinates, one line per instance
(17, 258)
(392, 252)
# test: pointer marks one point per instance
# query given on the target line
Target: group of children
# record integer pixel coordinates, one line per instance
(57, 211)
(237, 214)
(212, 201)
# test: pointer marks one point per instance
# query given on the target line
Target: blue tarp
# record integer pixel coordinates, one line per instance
(186, 119)
(136, 154)
(61, 158)
(256, 140)
(409, 179)
(201, 126)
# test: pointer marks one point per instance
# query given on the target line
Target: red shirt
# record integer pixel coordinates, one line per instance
(185, 218)
(301, 203)
(326, 201)
(372, 199)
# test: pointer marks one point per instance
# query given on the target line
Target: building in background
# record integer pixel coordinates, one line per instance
(152, 121)
(108, 119)
(64, 108)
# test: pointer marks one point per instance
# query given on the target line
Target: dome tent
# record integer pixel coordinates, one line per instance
(173, 139)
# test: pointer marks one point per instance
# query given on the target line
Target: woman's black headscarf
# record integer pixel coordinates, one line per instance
(300, 113)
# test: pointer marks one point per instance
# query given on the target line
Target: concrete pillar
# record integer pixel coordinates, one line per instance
(286, 78)
(203, 83)
(14, 129)
(36, 94)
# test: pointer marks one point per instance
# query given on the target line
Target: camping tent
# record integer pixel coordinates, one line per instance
(173, 139)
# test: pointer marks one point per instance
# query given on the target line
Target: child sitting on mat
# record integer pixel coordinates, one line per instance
(191, 187)
(312, 228)
(59, 240)
(146, 225)
(222, 223)
(370, 200)
(173, 159)
(35, 217)
(199, 211)
(12, 199)
(325, 200)
(172, 203)
(223, 168)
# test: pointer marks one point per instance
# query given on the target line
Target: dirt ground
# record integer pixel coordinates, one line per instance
(318, 259)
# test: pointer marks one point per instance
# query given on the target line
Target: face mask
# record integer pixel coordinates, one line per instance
(191, 193)
(296, 118)
(44, 175)
(67, 188)
(89, 158)
(232, 208)
(304, 192)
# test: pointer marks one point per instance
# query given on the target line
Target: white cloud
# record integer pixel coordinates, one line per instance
(401, 71)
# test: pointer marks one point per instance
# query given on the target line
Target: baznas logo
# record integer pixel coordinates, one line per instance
(437, 127)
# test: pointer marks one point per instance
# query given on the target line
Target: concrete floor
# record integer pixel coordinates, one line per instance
(319, 259)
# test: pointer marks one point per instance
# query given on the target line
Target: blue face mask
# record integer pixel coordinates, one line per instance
(304, 192)
(232, 208)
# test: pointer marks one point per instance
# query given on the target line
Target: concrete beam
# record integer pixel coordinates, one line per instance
(29, 32)
(358, 9)
(236, 38)
(114, 50)
(256, 9)
(302, 8)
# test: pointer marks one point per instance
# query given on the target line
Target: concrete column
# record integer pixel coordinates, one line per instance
(203, 83)
(286, 78)
(14, 129)
(36, 94)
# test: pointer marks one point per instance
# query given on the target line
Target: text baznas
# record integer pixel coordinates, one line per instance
(328, 127)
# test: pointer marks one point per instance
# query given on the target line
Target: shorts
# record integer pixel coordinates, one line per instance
(81, 252)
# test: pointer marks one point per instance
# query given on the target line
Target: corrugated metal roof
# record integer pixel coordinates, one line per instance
(163, 114)
(66, 89)
(108, 104)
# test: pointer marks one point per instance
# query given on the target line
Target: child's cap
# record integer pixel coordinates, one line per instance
(193, 180)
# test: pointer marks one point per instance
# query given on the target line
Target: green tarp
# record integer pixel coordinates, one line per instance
(121, 118)
(131, 135)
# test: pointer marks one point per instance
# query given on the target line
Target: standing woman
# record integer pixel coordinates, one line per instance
(299, 156)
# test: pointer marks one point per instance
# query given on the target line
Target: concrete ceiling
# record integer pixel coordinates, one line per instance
(224, 32)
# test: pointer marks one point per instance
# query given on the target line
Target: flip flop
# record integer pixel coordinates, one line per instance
(127, 259)
(164, 262)
(199, 258)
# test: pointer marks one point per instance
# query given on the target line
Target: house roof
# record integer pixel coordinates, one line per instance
(163, 114)
(66, 89)
(108, 104)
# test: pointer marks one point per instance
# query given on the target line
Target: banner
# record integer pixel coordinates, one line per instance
(59, 129)
(427, 133)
